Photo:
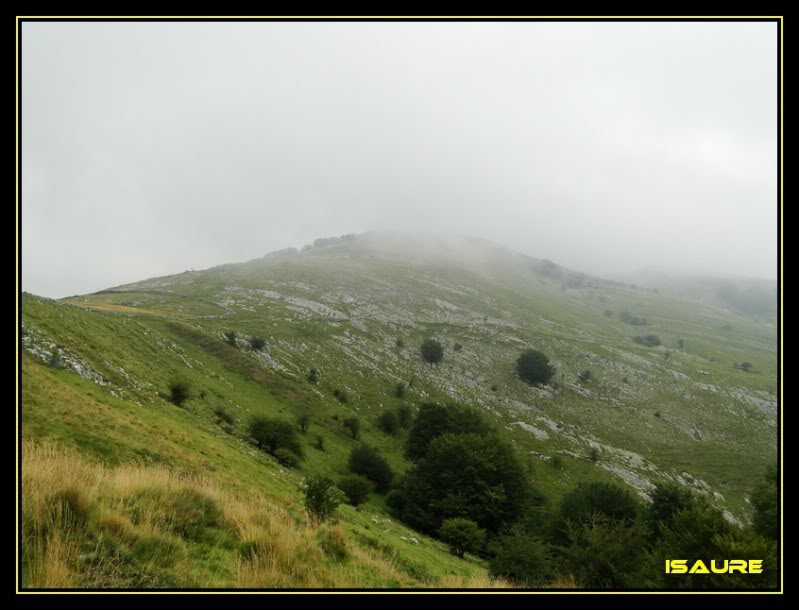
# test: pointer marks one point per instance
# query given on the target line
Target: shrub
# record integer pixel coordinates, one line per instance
(224, 416)
(405, 416)
(400, 343)
(680, 343)
(313, 376)
(520, 558)
(667, 500)
(586, 376)
(179, 392)
(434, 419)
(608, 313)
(353, 424)
(388, 422)
(764, 502)
(399, 390)
(534, 367)
(648, 340)
(304, 421)
(368, 461)
(432, 351)
(702, 532)
(457, 347)
(231, 337)
(631, 319)
(55, 360)
(341, 396)
(322, 498)
(589, 499)
(494, 387)
(744, 366)
(594, 455)
(462, 535)
(286, 457)
(320, 442)
(273, 434)
(356, 487)
(602, 553)
(257, 343)
(557, 462)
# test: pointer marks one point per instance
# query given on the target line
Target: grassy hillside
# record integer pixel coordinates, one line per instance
(123, 488)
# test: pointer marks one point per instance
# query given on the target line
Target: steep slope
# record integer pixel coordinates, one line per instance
(356, 309)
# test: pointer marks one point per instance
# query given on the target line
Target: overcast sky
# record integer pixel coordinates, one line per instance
(152, 148)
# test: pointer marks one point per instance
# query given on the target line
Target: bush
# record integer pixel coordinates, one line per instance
(353, 424)
(557, 462)
(388, 422)
(593, 455)
(313, 376)
(367, 461)
(667, 500)
(434, 419)
(608, 313)
(432, 351)
(320, 442)
(399, 390)
(286, 457)
(179, 392)
(580, 505)
(224, 416)
(764, 502)
(702, 532)
(341, 396)
(357, 488)
(400, 343)
(586, 376)
(304, 421)
(534, 367)
(405, 416)
(55, 360)
(273, 434)
(462, 535)
(231, 337)
(475, 476)
(520, 558)
(257, 343)
(744, 366)
(322, 498)
(648, 340)
(633, 320)
(457, 347)
(603, 553)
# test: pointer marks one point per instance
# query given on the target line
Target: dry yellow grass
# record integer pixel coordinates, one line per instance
(73, 506)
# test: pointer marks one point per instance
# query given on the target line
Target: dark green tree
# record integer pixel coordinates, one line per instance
(322, 498)
(257, 343)
(273, 434)
(764, 503)
(368, 461)
(353, 424)
(433, 420)
(356, 487)
(462, 535)
(432, 351)
(520, 558)
(388, 422)
(473, 476)
(534, 367)
(179, 392)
